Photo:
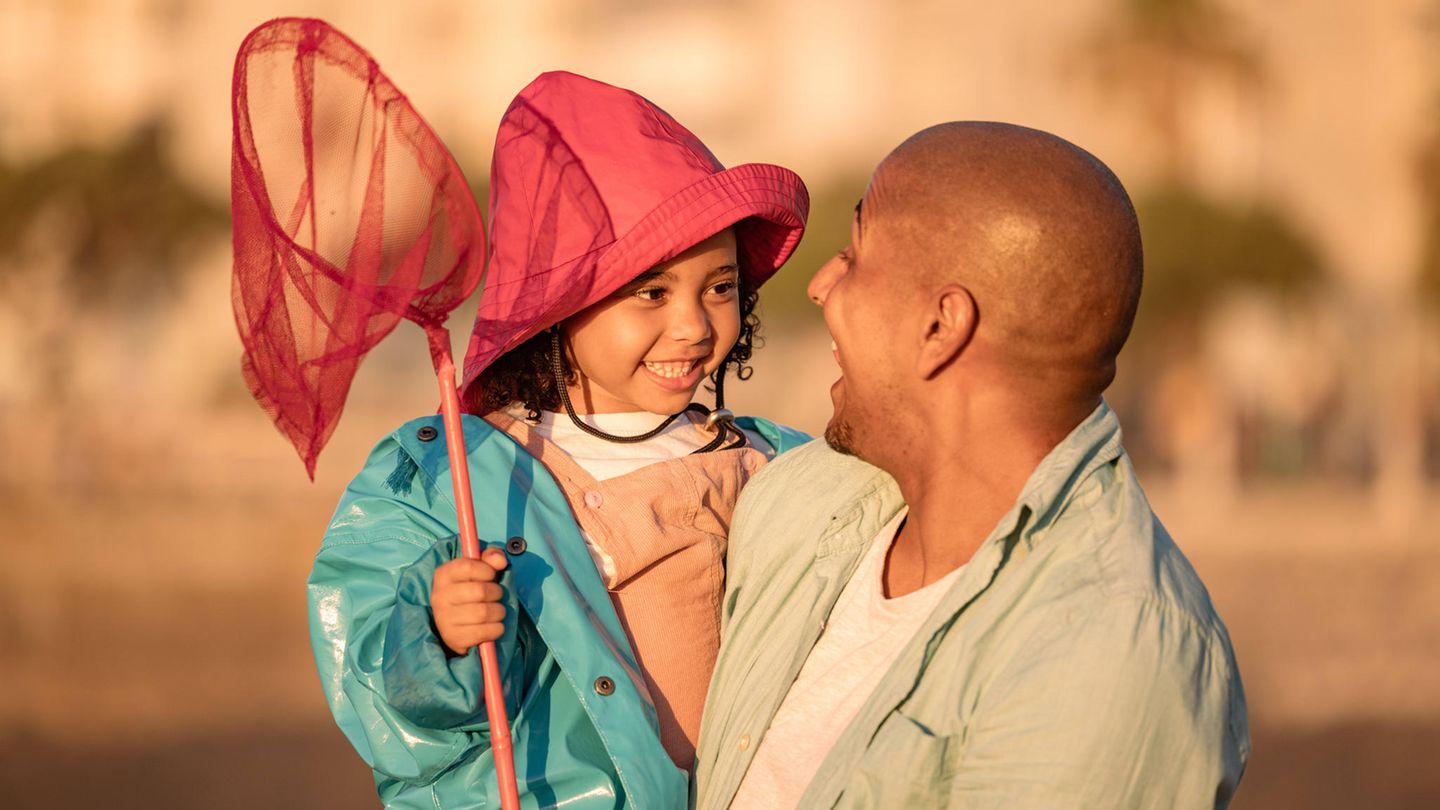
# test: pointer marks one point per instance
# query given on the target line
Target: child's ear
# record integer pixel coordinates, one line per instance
(950, 318)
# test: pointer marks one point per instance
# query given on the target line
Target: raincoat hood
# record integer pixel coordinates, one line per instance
(592, 185)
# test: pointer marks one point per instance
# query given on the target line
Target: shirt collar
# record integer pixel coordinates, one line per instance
(1093, 443)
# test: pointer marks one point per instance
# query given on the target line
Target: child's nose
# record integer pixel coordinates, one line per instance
(690, 322)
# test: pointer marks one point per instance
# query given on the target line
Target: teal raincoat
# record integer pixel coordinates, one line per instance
(585, 736)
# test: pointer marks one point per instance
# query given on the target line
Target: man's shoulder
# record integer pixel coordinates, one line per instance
(1120, 557)
(812, 478)
(794, 499)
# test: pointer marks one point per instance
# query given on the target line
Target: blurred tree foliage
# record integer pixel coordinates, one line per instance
(1196, 249)
(125, 215)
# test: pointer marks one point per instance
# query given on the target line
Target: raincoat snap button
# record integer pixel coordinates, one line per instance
(604, 686)
(426, 434)
(593, 499)
(515, 546)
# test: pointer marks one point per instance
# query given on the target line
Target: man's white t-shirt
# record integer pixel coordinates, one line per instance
(864, 634)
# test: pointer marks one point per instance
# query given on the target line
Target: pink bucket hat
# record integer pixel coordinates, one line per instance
(592, 185)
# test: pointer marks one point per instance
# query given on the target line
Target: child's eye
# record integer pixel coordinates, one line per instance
(650, 293)
(724, 288)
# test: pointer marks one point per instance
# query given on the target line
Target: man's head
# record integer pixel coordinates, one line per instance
(990, 267)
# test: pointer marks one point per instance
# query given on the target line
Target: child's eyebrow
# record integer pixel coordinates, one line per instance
(651, 275)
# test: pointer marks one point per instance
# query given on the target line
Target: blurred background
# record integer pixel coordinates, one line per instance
(1281, 393)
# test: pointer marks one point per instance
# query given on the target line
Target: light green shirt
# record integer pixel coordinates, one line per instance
(1076, 661)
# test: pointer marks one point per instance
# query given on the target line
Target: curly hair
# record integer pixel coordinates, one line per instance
(524, 374)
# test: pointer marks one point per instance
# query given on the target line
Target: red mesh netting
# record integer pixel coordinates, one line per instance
(349, 214)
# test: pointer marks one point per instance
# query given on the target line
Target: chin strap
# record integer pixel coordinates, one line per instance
(720, 420)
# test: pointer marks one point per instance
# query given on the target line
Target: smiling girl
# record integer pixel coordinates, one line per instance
(623, 274)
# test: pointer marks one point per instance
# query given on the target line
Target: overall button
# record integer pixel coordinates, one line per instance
(604, 686)
(427, 434)
(593, 499)
(515, 546)
(744, 741)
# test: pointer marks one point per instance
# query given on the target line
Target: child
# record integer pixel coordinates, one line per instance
(623, 273)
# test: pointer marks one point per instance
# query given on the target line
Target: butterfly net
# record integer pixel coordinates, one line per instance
(349, 214)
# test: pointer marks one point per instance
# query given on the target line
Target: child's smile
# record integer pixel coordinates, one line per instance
(683, 375)
(648, 346)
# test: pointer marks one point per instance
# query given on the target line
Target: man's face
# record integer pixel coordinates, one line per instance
(859, 312)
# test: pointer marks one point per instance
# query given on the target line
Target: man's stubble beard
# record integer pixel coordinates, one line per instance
(840, 437)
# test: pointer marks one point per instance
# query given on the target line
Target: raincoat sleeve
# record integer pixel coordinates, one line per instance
(409, 709)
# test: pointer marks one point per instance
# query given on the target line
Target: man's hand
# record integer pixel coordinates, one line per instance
(465, 600)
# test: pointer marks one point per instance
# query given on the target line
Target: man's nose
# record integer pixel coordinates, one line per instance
(823, 280)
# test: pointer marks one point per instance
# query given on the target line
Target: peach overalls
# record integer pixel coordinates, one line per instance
(665, 527)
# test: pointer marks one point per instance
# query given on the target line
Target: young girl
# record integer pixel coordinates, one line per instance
(623, 273)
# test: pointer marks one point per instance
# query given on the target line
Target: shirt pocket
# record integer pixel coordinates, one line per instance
(907, 764)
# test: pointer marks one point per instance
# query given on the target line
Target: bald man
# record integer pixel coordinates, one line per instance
(962, 598)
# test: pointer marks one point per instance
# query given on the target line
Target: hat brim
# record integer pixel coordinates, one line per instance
(769, 203)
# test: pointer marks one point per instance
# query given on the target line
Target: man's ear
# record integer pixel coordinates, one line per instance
(949, 324)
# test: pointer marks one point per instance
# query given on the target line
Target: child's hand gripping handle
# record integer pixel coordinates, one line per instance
(500, 745)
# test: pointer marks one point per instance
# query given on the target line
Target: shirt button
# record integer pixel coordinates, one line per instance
(604, 686)
(593, 499)
(744, 741)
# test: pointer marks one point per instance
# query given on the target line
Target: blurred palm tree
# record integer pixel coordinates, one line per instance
(1160, 53)
(1157, 51)
(1197, 249)
(128, 220)
(94, 242)
(1161, 56)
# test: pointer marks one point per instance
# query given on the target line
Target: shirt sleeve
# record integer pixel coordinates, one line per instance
(1134, 705)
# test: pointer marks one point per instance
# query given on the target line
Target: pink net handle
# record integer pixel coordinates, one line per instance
(349, 214)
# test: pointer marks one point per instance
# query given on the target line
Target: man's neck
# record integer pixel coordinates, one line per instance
(958, 481)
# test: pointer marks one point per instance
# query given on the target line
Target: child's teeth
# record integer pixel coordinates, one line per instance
(671, 370)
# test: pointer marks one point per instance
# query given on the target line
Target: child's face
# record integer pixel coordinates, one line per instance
(648, 346)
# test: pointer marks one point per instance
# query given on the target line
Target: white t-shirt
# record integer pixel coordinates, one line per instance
(604, 459)
(864, 634)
